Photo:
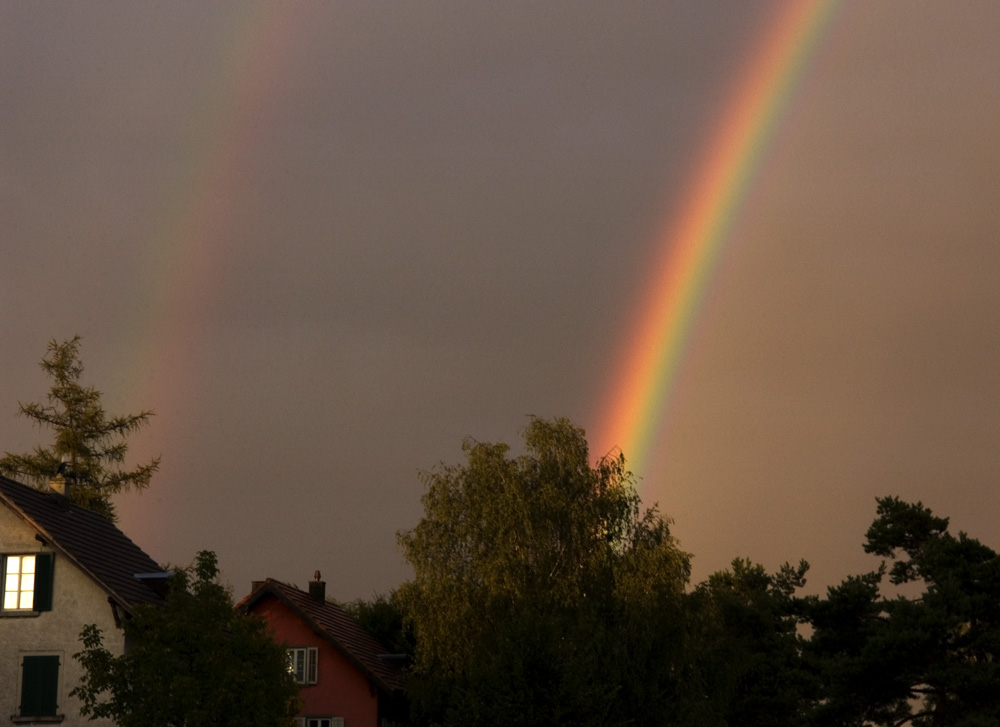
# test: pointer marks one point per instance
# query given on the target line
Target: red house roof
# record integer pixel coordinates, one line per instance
(331, 622)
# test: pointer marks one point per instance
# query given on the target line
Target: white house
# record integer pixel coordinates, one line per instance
(62, 567)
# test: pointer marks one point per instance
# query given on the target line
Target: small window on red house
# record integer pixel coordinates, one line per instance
(302, 664)
(320, 722)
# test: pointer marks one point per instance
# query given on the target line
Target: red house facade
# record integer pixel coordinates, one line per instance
(347, 678)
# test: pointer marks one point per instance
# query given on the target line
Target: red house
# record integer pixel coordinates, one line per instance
(348, 679)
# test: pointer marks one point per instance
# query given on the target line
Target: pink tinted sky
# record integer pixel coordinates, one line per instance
(327, 241)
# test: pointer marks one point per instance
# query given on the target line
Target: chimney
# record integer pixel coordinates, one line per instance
(317, 588)
(254, 585)
(59, 485)
(60, 482)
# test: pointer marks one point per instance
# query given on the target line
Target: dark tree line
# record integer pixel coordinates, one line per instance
(544, 595)
(926, 660)
(193, 661)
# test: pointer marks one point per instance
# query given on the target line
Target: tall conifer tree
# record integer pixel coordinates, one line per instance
(90, 446)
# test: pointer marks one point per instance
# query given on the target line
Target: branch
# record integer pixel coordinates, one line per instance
(925, 713)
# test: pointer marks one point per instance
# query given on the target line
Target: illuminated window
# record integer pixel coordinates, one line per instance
(27, 582)
(19, 583)
(302, 664)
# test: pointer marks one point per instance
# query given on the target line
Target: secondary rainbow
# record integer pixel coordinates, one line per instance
(692, 243)
(195, 232)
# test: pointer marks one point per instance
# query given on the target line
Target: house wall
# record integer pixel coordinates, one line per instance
(342, 690)
(76, 601)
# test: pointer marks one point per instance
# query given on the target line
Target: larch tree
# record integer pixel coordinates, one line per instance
(89, 447)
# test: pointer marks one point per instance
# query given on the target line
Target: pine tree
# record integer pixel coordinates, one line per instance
(90, 447)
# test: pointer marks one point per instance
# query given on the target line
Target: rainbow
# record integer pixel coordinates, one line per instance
(692, 244)
(195, 232)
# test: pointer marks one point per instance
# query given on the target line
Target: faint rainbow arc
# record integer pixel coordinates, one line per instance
(691, 246)
(192, 234)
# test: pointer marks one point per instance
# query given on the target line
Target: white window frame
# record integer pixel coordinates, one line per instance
(303, 663)
(319, 721)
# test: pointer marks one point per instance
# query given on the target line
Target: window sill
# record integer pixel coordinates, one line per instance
(20, 614)
(38, 719)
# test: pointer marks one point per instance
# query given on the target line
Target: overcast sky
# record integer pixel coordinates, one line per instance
(326, 241)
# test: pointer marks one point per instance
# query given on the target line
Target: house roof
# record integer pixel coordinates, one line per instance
(332, 623)
(92, 542)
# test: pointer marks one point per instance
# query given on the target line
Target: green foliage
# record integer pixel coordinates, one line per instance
(529, 574)
(541, 595)
(745, 652)
(90, 445)
(382, 617)
(928, 660)
(192, 662)
(901, 526)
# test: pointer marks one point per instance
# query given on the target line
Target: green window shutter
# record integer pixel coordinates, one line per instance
(39, 685)
(43, 581)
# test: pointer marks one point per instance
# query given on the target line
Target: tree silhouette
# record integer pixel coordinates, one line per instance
(89, 448)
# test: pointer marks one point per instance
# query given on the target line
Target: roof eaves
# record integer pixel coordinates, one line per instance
(275, 588)
(48, 539)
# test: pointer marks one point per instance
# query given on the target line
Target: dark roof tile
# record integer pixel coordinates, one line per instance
(93, 542)
(332, 622)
